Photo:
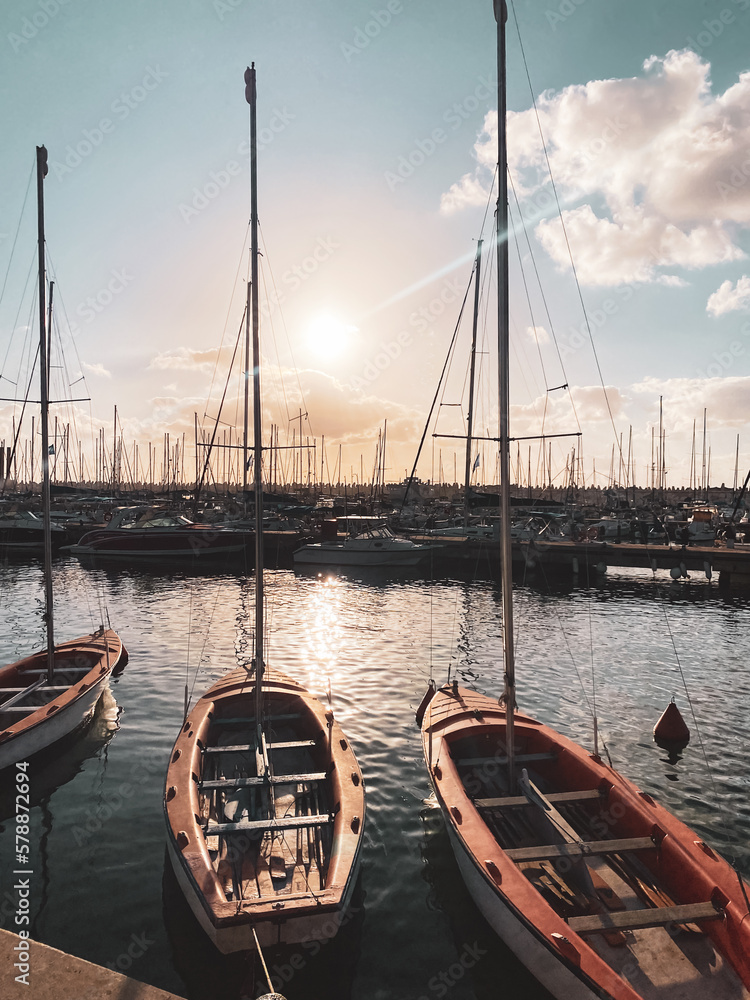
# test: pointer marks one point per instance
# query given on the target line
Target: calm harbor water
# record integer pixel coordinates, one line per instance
(101, 887)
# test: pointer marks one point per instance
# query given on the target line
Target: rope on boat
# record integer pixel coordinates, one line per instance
(272, 995)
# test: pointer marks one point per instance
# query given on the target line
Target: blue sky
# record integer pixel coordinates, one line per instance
(374, 173)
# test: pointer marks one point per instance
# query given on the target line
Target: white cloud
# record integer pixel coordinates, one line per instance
(188, 359)
(537, 335)
(97, 369)
(725, 398)
(729, 297)
(659, 167)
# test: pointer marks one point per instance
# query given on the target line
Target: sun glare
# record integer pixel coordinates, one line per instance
(328, 338)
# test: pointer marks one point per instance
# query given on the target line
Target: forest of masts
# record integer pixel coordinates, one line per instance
(216, 461)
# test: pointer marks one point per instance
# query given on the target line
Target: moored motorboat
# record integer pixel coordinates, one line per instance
(23, 531)
(373, 546)
(148, 533)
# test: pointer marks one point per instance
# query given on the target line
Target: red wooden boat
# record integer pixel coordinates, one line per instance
(595, 887)
(598, 889)
(264, 836)
(264, 799)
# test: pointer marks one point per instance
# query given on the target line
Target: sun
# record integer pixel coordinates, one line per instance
(328, 338)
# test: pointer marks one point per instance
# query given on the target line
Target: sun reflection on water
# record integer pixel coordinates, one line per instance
(325, 633)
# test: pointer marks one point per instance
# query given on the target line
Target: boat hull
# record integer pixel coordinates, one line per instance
(71, 710)
(338, 555)
(188, 543)
(226, 876)
(536, 906)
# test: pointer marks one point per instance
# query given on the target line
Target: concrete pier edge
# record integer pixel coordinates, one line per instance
(55, 975)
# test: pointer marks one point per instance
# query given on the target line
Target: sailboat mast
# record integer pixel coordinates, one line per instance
(503, 324)
(41, 173)
(470, 420)
(250, 94)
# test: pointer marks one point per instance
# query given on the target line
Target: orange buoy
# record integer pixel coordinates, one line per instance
(671, 726)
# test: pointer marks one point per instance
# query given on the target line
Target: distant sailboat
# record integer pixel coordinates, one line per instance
(264, 799)
(51, 694)
(594, 886)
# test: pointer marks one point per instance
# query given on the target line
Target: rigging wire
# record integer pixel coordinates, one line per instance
(18, 229)
(565, 233)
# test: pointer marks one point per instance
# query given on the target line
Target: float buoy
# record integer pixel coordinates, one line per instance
(671, 728)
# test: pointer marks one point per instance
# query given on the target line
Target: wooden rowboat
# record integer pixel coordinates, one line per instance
(597, 888)
(264, 837)
(264, 799)
(51, 694)
(35, 713)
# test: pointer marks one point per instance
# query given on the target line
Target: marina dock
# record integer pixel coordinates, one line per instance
(53, 975)
(730, 565)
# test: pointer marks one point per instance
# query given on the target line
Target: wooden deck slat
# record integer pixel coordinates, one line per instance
(60, 668)
(580, 850)
(652, 917)
(521, 758)
(274, 779)
(251, 747)
(48, 687)
(247, 721)
(279, 823)
(521, 800)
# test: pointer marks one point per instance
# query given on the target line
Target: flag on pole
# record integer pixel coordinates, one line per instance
(476, 463)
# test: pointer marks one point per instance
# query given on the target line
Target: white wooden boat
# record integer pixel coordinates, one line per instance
(264, 800)
(51, 694)
(35, 714)
(596, 888)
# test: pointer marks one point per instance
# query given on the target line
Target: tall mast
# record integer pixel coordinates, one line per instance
(470, 421)
(41, 173)
(250, 94)
(503, 339)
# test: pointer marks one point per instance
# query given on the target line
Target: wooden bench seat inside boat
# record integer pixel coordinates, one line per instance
(657, 916)
(250, 721)
(251, 747)
(63, 668)
(508, 801)
(34, 687)
(580, 850)
(277, 823)
(521, 758)
(273, 779)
